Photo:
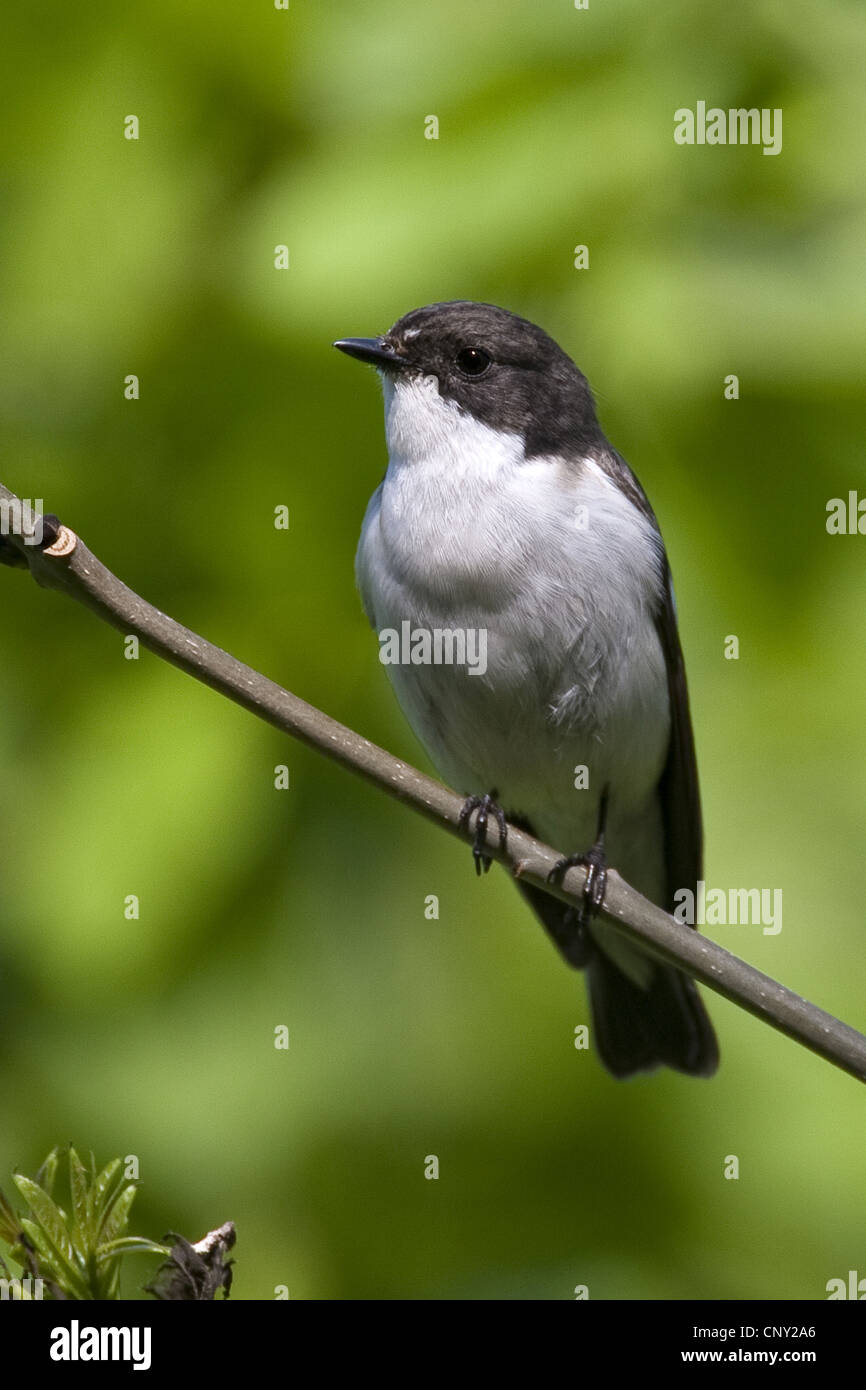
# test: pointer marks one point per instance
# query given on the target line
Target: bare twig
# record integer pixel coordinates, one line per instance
(64, 563)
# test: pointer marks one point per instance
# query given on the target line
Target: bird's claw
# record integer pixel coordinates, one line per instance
(485, 806)
(595, 863)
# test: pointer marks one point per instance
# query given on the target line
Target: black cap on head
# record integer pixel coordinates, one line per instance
(503, 369)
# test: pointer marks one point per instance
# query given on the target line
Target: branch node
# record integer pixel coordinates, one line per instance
(64, 544)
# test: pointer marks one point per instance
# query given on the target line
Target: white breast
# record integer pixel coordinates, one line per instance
(563, 573)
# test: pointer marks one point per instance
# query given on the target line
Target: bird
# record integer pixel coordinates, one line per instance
(505, 513)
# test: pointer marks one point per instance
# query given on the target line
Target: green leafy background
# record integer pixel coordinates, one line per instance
(305, 907)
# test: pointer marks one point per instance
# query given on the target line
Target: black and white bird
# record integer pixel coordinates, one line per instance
(504, 509)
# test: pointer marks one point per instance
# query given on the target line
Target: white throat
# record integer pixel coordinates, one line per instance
(438, 440)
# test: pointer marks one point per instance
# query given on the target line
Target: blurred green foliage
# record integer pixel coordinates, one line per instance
(305, 907)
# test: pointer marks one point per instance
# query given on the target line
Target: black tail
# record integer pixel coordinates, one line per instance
(637, 1029)
(634, 1029)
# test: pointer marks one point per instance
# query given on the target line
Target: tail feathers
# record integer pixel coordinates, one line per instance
(638, 1029)
(634, 1029)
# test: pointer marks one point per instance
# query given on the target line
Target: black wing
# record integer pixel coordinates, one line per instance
(636, 1030)
(680, 794)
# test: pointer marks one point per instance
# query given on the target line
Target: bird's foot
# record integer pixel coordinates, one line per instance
(485, 806)
(595, 863)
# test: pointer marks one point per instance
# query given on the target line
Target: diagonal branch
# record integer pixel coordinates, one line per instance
(64, 563)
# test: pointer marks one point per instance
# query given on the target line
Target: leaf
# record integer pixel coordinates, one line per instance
(39, 1241)
(116, 1217)
(52, 1263)
(50, 1218)
(79, 1187)
(129, 1245)
(9, 1223)
(109, 1281)
(48, 1171)
(100, 1193)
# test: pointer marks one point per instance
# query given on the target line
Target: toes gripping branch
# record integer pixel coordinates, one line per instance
(485, 806)
(595, 863)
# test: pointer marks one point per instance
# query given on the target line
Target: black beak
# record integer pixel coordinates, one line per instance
(372, 350)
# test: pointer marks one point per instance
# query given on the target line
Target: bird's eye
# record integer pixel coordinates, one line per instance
(473, 361)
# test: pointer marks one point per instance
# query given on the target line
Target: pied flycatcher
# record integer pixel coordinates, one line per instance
(505, 512)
